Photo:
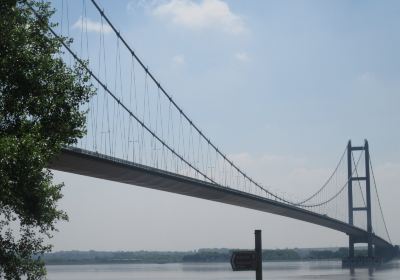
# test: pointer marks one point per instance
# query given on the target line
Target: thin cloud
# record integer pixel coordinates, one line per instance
(139, 5)
(208, 14)
(178, 60)
(242, 57)
(84, 23)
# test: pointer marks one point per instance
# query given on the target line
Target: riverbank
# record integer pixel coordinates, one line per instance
(197, 256)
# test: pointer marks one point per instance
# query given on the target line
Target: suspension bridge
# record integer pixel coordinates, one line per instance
(138, 134)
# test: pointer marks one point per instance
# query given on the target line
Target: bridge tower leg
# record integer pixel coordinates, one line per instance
(368, 191)
(350, 195)
(367, 207)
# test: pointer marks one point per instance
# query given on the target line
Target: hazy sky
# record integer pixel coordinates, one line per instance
(281, 86)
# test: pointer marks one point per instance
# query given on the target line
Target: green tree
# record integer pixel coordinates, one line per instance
(40, 101)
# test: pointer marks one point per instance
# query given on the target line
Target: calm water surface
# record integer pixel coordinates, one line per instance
(221, 271)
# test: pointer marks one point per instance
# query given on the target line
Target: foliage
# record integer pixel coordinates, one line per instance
(199, 256)
(280, 254)
(329, 254)
(208, 257)
(95, 257)
(40, 100)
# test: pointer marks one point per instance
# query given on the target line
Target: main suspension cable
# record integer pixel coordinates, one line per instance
(94, 76)
(379, 201)
(153, 134)
(326, 183)
(169, 97)
(208, 141)
(339, 192)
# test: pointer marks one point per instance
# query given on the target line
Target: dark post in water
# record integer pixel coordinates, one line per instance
(258, 249)
(249, 259)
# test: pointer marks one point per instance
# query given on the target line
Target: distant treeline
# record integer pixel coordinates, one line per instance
(93, 257)
(201, 255)
(224, 255)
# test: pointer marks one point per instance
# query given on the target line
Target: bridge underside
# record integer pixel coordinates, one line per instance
(96, 165)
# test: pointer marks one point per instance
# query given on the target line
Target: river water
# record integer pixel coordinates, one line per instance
(221, 271)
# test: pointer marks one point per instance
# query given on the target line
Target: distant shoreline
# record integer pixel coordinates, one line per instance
(194, 263)
(199, 256)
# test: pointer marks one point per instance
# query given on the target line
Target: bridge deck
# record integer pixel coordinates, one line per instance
(96, 165)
